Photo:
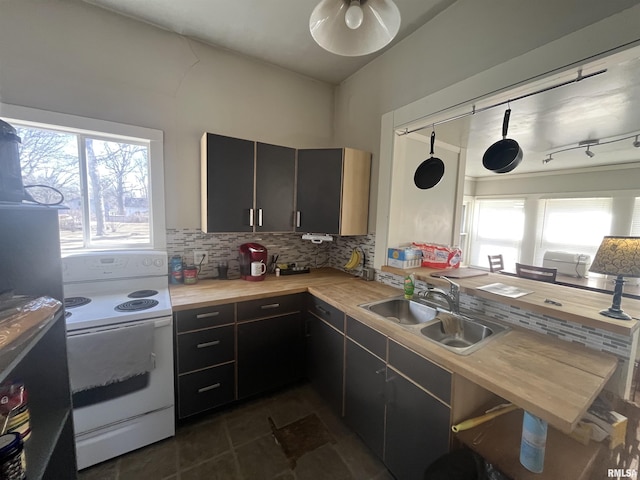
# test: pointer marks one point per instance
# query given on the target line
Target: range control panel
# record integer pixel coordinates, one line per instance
(90, 266)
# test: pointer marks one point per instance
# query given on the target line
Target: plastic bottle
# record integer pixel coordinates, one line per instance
(409, 286)
(534, 440)
(175, 269)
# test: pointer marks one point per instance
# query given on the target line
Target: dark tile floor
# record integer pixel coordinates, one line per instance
(237, 444)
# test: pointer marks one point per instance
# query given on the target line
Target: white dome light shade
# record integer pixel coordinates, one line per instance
(379, 25)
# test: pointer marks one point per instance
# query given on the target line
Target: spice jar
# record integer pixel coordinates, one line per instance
(190, 274)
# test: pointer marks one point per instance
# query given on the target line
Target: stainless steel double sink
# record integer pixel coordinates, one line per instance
(457, 333)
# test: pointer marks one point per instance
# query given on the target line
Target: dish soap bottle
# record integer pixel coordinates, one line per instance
(409, 286)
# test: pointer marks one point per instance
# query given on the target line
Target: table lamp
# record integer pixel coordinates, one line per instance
(617, 256)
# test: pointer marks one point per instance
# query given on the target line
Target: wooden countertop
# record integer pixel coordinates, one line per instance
(578, 305)
(552, 379)
(216, 292)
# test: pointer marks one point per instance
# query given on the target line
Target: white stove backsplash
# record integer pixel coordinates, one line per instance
(288, 246)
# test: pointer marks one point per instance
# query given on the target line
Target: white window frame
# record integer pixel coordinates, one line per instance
(95, 127)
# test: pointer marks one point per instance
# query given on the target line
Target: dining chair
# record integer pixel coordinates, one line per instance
(496, 263)
(532, 272)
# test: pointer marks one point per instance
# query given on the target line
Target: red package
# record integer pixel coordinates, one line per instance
(439, 256)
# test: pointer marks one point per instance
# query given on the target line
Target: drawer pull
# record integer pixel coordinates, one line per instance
(382, 370)
(210, 387)
(323, 310)
(208, 344)
(207, 315)
(270, 305)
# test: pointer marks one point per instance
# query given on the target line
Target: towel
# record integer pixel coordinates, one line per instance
(100, 358)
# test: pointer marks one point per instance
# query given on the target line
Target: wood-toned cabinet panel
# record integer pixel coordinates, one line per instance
(227, 172)
(275, 180)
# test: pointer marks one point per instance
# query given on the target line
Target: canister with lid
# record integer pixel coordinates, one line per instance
(12, 460)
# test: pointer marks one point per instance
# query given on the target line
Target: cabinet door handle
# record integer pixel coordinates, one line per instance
(323, 311)
(259, 217)
(298, 216)
(251, 217)
(270, 305)
(210, 387)
(382, 370)
(207, 315)
(208, 344)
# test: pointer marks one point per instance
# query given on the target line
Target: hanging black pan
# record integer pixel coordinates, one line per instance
(430, 172)
(504, 155)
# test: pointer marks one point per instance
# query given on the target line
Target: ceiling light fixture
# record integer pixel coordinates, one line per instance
(352, 28)
(589, 153)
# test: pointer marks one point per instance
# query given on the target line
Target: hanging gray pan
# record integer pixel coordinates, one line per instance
(504, 155)
(430, 172)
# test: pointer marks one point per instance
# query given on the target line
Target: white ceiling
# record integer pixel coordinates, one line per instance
(605, 107)
(275, 31)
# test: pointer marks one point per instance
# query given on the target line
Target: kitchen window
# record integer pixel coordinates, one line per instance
(574, 225)
(635, 219)
(111, 178)
(498, 227)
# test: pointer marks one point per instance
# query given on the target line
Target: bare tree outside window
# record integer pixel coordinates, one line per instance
(112, 189)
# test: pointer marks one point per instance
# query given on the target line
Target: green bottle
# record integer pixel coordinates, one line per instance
(409, 286)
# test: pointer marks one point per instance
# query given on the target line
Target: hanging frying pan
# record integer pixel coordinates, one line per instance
(430, 172)
(504, 155)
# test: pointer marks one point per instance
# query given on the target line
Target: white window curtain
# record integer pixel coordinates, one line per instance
(635, 220)
(574, 225)
(498, 227)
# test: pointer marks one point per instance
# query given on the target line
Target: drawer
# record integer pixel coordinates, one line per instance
(269, 307)
(428, 375)
(200, 391)
(373, 341)
(204, 317)
(205, 348)
(327, 312)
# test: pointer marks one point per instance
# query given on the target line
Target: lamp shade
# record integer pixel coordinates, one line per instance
(618, 256)
(328, 27)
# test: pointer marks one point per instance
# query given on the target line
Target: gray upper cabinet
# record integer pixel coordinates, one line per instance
(227, 183)
(332, 191)
(250, 186)
(246, 186)
(275, 179)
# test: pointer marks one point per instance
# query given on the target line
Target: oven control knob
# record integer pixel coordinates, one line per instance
(146, 262)
(158, 262)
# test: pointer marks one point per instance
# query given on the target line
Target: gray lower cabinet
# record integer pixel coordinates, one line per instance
(270, 344)
(204, 358)
(417, 423)
(364, 400)
(325, 351)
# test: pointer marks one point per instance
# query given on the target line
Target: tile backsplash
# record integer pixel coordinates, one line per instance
(288, 246)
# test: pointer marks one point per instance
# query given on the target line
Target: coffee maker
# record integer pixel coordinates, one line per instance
(253, 262)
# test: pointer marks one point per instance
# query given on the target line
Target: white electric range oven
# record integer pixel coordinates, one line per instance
(120, 350)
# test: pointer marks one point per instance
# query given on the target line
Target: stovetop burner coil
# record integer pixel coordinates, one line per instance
(142, 293)
(71, 302)
(135, 305)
